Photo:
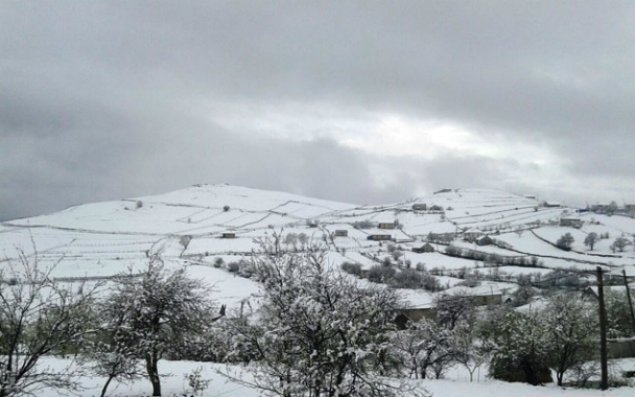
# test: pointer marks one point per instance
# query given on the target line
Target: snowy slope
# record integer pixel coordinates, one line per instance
(106, 238)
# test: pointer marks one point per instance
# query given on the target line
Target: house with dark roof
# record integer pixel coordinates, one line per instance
(426, 248)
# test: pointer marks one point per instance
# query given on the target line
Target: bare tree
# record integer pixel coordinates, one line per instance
(453, 308)
(468, 350)
(108, 353)
(38, 317)
(160, 310)
(424, 348)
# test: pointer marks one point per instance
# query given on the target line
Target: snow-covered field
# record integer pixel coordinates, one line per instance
(107, 238)
(455, 384)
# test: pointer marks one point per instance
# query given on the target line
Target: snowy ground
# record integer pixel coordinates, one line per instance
(456, 384)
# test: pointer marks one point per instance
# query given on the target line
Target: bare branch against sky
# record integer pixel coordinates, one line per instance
(353, 101)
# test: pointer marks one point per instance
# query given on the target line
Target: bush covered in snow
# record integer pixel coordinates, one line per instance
(352, 268)
(318, 333)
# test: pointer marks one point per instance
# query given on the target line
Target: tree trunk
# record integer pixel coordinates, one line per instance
(103, 390)
(559, 376)
(153, 375)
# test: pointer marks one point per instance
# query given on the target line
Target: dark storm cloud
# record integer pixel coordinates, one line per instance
(106, 99)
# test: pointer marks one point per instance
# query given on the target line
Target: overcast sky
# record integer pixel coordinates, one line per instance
(364, 102)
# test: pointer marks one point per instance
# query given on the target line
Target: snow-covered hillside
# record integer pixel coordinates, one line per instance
(206, 227)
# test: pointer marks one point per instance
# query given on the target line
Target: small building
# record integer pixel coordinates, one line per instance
(426, 248)
(420, 207)
(386, 225)
(228, 235)
(485, 240)
(571, 222)
(379, 237)
(472, 235)
(341, 233)
(551, 204)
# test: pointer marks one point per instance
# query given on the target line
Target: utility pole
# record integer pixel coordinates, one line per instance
(604, 381)
(630, 301)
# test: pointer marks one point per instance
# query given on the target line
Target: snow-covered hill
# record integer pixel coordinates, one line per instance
(186, 228)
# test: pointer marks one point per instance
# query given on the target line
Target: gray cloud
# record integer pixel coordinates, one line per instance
(101, 100)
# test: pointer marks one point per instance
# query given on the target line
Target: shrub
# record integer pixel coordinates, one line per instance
(565, 242)
(569, 279)
(407, 278)
(352, 268)
(396, 255)
(520, 350)
(233, 267)
(381, 274)
(246, 268)
(514, 372)
(196, 382)
(430, 283)
(453, 250)
(324, 333)
(218, 262)
(522, 295)
(226, 208)
(469, 282)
